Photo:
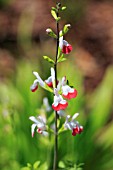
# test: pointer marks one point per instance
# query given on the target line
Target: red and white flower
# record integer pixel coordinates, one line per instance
(37, 81)
(40, 123)
(73, 125)
(49, 81)
(67, 91)
(59, 103)
(64, 46)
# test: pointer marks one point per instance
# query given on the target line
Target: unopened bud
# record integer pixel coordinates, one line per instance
(68, 26)
(48, 30)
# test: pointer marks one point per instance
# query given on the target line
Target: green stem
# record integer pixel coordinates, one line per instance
(55, 163)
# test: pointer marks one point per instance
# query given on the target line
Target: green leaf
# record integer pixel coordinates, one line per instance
(29, 165)
(53, 13)
(54, 9)
(36, 164)
(48, 59)
(61, 60)
(61, 164)
(63, 8)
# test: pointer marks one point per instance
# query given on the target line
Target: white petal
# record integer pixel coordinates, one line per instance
(53, 74)
(34, 119)
(44, 133)
(63, 80)
(68, 126)
(48, 80)
(33, 129)
(41, 119)
(75, 116)
(46, 104)
(61, 113)
(61, 42)
(65, 43)
(41, 82)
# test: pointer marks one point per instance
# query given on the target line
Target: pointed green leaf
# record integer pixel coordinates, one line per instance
(63, 8)
(48, 59)
(61, 60)
(54, 9)
(53, 13)
(36, 164)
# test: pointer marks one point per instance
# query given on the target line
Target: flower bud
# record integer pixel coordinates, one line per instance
(50, 32)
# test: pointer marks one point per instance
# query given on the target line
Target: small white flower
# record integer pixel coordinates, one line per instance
(40, 123)
(73, 125)
(37, 81)
(40, 81)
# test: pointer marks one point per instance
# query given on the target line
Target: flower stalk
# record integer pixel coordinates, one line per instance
(55, 163)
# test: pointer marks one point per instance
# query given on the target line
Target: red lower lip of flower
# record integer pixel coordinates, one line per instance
(75, 131)
(81, 129)
(50, 84)
(60, 106)
(39, 131)
(33, 90)
(67, 49)
(71, 95)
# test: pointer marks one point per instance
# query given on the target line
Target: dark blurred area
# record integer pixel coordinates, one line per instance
(23, 23)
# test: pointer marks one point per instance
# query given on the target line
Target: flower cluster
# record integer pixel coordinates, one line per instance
(60, 88)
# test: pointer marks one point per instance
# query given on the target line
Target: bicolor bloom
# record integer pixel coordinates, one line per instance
(37, 81)
(67, 91)
(51, 80)
(73, 125)
(64, 46)
(59, 103)
(39, 122)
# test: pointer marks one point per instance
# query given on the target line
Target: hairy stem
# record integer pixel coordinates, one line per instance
(55, 163)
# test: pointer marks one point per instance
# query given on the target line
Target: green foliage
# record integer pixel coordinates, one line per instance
(48, 59)
(17, 103)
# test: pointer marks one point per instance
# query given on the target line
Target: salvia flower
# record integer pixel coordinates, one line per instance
(64, 46)
(38, 80)
(49, 82)
(40, 124)
(73, 125)
(67, 91)
(59, 103)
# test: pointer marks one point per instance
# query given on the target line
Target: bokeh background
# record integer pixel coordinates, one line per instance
(23, 42)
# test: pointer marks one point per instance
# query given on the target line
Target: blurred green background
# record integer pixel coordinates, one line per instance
(89, 68)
